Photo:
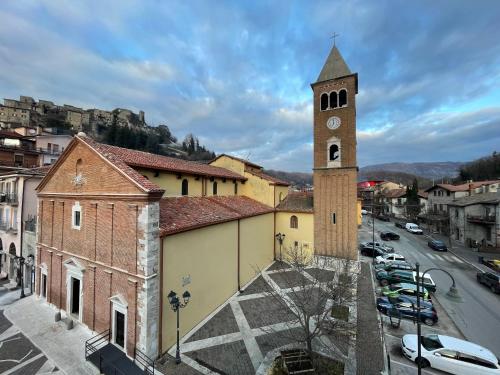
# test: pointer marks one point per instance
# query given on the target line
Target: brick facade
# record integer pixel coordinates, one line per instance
(335, 196)
(115, 251)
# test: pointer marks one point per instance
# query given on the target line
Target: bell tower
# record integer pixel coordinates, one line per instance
(335, 167)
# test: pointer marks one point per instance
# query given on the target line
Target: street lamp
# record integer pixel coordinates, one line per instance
(176, 305)
(373, 226)
(280, 237)
(452, 294)
(20, 263)
(30, 261)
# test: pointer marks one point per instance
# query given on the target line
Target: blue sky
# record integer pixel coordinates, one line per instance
(238, 74)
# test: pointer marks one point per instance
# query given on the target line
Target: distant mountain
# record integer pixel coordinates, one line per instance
(431, 171)
(402, 178)
(296, 179)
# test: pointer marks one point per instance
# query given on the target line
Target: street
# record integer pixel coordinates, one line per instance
(476, 317)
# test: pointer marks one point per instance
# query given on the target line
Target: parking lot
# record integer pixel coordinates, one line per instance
(392, 336)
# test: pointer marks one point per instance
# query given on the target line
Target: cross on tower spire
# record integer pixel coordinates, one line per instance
(334, 36)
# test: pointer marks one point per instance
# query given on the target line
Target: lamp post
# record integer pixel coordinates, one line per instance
(280, 237)
(176, 305)
(20, 263)
(30, 261)
(452, 294)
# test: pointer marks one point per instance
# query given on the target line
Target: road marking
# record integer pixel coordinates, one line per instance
(431, 256)
(22, 364)
(455, 259)
(438, 257)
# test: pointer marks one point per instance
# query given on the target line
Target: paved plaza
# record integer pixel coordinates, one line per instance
(245, 334)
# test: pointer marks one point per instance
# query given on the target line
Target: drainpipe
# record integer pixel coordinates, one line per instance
(21, 237)
(160, 268)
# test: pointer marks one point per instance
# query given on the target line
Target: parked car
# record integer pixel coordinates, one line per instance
(400, 225)
(387, 236)
(398, 276)
(369, 251)
(413, 228)
(389, 257)
(451, 355)
(437, 245)
(489, 279)
(394, 265)
(385, 248)
(406, 289)
(408, 309)
(383, 218)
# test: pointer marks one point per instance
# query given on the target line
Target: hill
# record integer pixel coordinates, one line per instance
(485, 168)
(296, 179)
(431, 170)
(398, 177)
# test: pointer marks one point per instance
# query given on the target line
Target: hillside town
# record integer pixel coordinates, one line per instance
(124, 251)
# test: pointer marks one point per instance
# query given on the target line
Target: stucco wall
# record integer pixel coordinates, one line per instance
(304, 234)
(209, 258)
(256, 245)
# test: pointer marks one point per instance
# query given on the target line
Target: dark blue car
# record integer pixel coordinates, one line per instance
(406, 306)
(437, 245)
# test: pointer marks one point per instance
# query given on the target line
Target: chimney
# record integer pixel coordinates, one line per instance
(470, 189)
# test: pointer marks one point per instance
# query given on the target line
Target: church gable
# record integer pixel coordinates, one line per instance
(81, 170)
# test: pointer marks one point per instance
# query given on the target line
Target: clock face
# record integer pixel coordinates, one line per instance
(333, 123)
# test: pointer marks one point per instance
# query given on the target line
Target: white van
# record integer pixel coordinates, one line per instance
(413, 228)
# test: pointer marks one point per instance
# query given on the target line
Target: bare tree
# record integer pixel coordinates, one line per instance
(313, 297)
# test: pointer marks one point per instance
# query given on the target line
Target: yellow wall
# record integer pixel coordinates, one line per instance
(209, 255)
(304, 234)
(229, 163)
(173, 185)
(255, 187)
(256, 245)
(358, 213)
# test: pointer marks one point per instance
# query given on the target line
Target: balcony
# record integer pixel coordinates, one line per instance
(9, 198)
(7, 227)
(481, 219)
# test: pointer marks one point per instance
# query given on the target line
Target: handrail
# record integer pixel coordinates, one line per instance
(145, 361)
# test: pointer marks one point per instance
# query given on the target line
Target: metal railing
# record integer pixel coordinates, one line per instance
(481, 218)
(96, 342)
(147, 363)
(8, 198)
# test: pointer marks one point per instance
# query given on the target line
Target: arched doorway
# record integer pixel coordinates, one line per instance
(12, 261)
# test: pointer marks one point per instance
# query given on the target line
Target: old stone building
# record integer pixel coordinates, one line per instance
(335, 167)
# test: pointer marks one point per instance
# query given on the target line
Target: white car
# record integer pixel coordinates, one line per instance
(413, 228)
(450, 354)
(382, 259)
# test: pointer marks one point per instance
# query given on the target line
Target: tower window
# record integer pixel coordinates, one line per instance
(214, 188)
(333, 99)
(294, 222)
(342, 98)
(334, 152)
(235, 188)
(334, 218)
(185, 187)
(324, 102)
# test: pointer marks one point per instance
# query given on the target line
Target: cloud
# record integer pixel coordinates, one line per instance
(237, 74)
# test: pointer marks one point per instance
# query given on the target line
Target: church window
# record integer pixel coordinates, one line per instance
(324, 102)
(334, 218)
(334, 152)
(333, 99)
(185, 187)
(76, 216)
(342, 98)
(294, 222)
(214, 188)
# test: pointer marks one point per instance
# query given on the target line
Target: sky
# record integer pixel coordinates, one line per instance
(237, 74)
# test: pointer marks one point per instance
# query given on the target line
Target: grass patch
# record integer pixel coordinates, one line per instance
(340, 312)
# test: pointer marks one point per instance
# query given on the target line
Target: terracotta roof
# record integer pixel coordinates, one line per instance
(239, 159)
(463, 187)
(297, 201)
(8, 134)
(125, 159)
(272, 180)
(180, 214)
(395, 193)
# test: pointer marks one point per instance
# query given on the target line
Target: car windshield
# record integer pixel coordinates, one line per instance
(439, 243)
(431, 342)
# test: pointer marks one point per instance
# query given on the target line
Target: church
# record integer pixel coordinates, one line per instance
(119, 229)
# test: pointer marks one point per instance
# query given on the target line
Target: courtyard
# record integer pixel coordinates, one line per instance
(246, 334)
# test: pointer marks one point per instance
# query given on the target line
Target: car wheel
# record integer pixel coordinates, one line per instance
(428, 322)
(493, 289)
(423, 362)
(384, 282)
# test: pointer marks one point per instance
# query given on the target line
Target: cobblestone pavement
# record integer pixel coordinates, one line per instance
(244, 335)
(18, 355)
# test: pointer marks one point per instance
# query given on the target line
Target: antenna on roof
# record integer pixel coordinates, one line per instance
(248, 156)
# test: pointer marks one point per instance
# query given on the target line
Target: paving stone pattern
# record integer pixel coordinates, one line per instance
(236, 339)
